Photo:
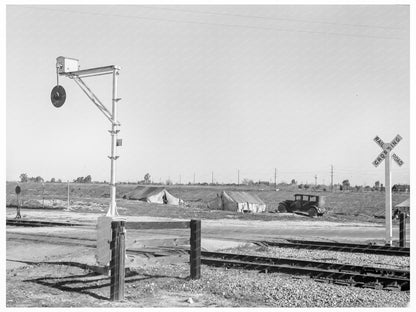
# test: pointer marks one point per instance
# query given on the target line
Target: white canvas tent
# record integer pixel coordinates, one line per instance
(152, 194)
(402, 207)
(237, 201)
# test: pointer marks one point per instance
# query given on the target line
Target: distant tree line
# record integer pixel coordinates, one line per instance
(87, 179)
(25, 178)
(401, 188)
(344, 186)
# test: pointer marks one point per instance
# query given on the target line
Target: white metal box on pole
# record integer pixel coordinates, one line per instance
(66, 64)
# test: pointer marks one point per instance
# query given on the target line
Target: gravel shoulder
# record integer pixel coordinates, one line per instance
(168, 285)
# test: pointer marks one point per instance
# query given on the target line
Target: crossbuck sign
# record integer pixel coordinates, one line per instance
(385, 155)
(387, 147)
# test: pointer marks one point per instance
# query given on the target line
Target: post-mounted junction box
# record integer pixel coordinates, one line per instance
(66, 64)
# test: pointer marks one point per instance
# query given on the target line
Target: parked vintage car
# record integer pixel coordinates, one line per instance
(314, 205)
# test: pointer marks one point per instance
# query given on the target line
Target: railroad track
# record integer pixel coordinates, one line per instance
(34, 223)
(361, 248)
(344, 274)
(360, 276)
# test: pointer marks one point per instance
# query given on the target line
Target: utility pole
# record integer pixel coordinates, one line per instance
(332, 178)
(212, 177)
(43, 195)
(275, 177)
(238, 177)
(316, 178)
(68, 192)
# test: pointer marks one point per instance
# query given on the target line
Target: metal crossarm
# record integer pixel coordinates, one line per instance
(105, 70)
(93, 98)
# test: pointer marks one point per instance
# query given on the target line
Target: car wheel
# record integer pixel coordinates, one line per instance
(312, 212)
(281, 208)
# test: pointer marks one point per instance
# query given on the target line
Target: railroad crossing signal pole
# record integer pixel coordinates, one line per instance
(385, 155)
(70, 68)
(112, 210)
(388, 201)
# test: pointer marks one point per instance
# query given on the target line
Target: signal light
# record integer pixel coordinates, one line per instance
(58, 96)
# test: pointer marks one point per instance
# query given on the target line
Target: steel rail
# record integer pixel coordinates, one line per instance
(307, 263)
(33, 223)
(350, 245)
(52, 240)
(361, 276)
(358, 248)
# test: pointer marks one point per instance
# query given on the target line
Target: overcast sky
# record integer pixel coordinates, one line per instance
(211, 89)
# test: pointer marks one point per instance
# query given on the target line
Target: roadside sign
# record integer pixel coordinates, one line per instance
(387, 147)
(380, 158)
(18, 190)
(385, 155)
(379, 142)
(397, 159)
(393, 143)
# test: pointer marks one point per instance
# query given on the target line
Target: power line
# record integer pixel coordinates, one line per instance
(271, 18)
(217, 24)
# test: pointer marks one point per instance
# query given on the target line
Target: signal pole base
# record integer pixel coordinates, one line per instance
(104, 237)
(112, 211)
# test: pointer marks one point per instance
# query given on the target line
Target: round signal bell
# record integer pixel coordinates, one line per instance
(58, 96)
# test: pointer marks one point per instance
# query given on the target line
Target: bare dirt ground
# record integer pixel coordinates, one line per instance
(55, 266)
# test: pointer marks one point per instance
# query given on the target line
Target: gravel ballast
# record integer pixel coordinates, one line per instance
(168, 285)
(244, 288)
(250, 288)
(362, 259)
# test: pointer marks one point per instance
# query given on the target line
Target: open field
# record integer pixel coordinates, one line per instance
(347, 206)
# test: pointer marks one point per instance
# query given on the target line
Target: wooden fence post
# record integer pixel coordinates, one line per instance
(195, 254)
(117, 263)
(402, 234)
